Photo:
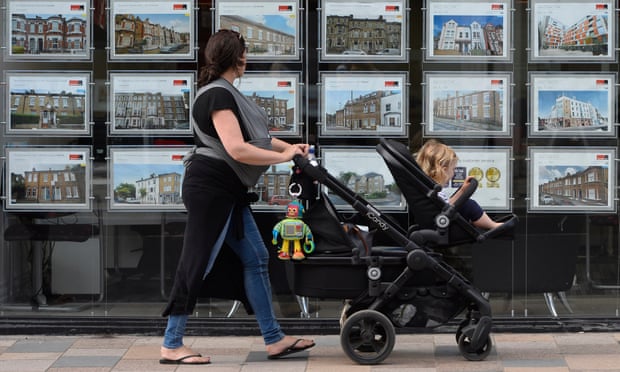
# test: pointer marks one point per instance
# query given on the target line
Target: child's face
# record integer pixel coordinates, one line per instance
(449, 172)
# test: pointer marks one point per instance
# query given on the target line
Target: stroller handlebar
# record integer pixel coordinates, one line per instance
(310, 167)
(299, 160)
(302, 161)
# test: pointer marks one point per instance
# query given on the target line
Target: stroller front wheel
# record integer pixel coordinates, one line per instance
(368, 337)
(469, 353)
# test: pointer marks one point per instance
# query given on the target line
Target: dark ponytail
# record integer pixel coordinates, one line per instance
(224, 49)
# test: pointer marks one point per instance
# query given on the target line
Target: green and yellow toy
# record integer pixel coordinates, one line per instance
(293, 229)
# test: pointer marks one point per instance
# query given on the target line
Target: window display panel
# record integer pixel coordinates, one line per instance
(364, 30)
(467, 104)
(364, 104)
(151, 103)
(56, 30)
(48, 178)
(572, 105)
(278, 94)
(572, 180)
(48, 103)
(143, 241)
(468, 31)
(146, 178)
(271, 29)
(153, 30)
(573, 30)
(492, 168)
(363, 171)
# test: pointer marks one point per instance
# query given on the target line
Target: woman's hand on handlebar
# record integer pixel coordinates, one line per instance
(297, 149)
(304, 147)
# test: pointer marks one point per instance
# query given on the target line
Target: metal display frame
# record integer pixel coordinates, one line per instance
(340, 19)
(464, 104)
(364, 104)
(572, 180)
(556, 31)
(265, 25)
(164, 98)
(155, 172)
(55, 102)
(590, 96)
(39, 178)
(154, 30)
(468, 31)
(50, 41)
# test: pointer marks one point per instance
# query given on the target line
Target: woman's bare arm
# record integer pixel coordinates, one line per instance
(229, 131)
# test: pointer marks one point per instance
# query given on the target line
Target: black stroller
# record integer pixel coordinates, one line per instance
(408, 285)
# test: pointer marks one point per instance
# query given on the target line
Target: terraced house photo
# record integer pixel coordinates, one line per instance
(166, 31)
(49, 29)
(270, 29)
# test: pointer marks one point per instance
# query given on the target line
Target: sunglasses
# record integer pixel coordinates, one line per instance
(236, 33)
(231, 31)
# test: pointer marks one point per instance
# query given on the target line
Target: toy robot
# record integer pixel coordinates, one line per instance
(293, 229)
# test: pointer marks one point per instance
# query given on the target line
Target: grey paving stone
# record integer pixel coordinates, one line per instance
(85, 361)
(40, 346)
(531, 363)
(25, 365)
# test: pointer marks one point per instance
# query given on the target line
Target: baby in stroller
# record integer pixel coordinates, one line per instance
(411, 276)
(438, 161)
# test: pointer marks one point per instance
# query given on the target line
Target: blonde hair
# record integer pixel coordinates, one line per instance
(434, 157)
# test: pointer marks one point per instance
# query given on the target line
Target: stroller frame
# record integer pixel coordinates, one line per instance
(374, 285)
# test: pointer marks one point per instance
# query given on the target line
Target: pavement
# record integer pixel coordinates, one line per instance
(514, 352)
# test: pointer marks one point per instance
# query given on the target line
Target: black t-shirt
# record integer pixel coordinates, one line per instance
(216, 98)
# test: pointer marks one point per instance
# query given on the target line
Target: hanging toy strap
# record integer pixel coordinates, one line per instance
(302, 186)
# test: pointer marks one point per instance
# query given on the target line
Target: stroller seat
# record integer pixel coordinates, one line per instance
(335, 236)
(436, 223)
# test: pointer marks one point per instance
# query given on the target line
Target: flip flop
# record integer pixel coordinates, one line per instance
(290, 350)
(183, 360)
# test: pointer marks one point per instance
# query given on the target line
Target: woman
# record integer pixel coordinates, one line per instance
(223, 252)
(438, 161)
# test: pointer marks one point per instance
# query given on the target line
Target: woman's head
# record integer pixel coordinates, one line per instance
(225, 49)
(437, 160)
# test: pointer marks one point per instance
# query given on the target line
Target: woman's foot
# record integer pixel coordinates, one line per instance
(288, 345)
(182, 355)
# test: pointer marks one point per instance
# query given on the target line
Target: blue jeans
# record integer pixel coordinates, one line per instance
(253, 253)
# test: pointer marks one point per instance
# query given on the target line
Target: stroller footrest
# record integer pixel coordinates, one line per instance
(506, 229)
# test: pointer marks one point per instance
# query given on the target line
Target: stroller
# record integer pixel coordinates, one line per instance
(407, 285)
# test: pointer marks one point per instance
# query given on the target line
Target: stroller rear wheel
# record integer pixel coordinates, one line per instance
(368, 337)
